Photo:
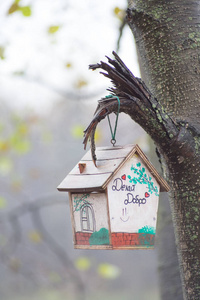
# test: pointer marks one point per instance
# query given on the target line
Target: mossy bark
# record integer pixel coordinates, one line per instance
(167, 35)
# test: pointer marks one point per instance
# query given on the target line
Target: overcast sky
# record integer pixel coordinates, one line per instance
(88, 30)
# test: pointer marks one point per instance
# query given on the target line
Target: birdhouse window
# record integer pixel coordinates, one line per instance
(87, 218)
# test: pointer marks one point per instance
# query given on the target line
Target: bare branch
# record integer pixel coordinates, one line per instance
(135, 100)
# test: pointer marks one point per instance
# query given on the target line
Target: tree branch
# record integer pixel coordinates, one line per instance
(135, 100)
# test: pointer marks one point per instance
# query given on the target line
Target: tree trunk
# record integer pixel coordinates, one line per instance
(168, 42)
(167, 35)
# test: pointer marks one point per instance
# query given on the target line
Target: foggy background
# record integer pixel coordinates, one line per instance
(48, 97)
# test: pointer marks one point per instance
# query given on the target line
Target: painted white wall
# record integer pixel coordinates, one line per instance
(132, 216)
(99, 204)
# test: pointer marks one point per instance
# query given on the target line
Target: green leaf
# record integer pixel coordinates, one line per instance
(6, 165)
(77, 131)
(2, 49)
(3, 202)
(83, 263)
(138, 164)
(35, 236)
(20, 145)
(108, 271)
(26, 11)
(53, 29)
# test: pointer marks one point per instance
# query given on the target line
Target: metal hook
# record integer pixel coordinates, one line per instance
(113, 142)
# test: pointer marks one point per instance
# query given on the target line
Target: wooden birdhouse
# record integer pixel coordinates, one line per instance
(114, 205)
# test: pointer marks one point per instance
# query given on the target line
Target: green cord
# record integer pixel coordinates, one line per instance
(113, 140)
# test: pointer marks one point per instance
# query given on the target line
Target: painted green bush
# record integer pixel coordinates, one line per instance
(147, 229)
(100, 237)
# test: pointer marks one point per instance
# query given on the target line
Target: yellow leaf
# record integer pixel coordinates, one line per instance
(53, 29)
(119, 13)
(82, 263)
(98, 135)
(80, 83)
(77, 131)
(117, 10)
(13, 8)
(3, 202)
(26, 11)
(108, 271)
(2, 49)
(68, 65)
(20, 145)
(4, 146)
(35, 236)
(22, 129)
(6, 165)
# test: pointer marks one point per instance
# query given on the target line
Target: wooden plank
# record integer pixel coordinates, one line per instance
(108, 216)
(103, 166)
(133, 247)
(109, 152)
(72, 218)
(83, 182)
(93, 247)
(110, 247)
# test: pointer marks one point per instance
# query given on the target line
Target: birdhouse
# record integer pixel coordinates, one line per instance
(114, 205)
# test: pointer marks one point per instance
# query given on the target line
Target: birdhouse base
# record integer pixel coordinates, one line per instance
(84, 247)
(119, 241)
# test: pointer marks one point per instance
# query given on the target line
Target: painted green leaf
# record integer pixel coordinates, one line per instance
(108, 271)
(83, 263)
(138, 164)
(26, 11)
(53, 29)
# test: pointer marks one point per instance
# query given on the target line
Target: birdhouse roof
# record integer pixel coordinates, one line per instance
(85, 177)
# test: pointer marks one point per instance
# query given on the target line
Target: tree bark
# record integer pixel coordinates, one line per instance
(167, 35)
(168, 42)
